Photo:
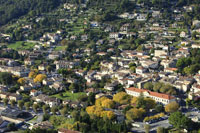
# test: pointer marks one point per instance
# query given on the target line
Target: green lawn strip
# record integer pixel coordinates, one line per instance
(68, 121)
(58, 48)
(69, 96)
(20, 45)
(33, 120)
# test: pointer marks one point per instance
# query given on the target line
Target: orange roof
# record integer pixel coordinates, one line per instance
(172, 69)
(155, 94)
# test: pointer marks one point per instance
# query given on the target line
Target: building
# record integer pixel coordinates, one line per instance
(15, 116)
(158, 97)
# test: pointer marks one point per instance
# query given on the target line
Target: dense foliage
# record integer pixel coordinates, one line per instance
(11, 9)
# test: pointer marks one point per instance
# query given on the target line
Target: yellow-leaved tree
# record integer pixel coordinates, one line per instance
(40, 78)
(33, 73)
(172, 107)
(108, 114)
(135, 113)
(108, 103)
(99, 112)
(121, 98)
(21, 81)
(105, 102)
(99, 101)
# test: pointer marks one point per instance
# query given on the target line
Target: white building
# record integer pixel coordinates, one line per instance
(158, 97)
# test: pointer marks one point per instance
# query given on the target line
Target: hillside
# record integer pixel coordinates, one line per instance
(12, 9)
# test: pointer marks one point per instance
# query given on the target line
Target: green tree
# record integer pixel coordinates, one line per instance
(20, 104)
(148, 86)
(160, 130)
(12, 102)
(179, 120)
(172, 107)
(27, 105)
(35, 107)
(54, 109)
(63, 111)
(5, 101)
(6, 78)
(147, 128)
(45, 108)
(11, 127)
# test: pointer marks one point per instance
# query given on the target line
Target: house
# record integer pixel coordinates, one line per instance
(149, 64)
(52, 101)
(3, 88)
(54, 55)
(42, 67)
(158, 97)
(159, 53)
(168, 63)
(63, 130)
(28, 62)
(25, 88)
(170, 70)
(114, 35)
(57, 85)
(94, 24)
(65, 64)
(43, 125)
(84, 37)
(141, 70)
(47, 81)
(111, 86)
(73, 38)
(195, 88)
(35, 93)
(34, 85)
(141, 17)
(183, 34)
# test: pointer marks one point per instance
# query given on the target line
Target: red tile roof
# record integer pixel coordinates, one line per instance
(155, 94)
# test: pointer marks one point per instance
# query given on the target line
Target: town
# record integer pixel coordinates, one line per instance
(102, 66)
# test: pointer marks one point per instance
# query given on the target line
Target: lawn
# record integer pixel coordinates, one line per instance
(59, 48)
(20, 45)
(69, 96)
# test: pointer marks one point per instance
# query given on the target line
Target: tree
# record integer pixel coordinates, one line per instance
(20, 104)
(27, 105)
(160, 130)
(6, 78)
(63, 111)
(91, 98)
(122, 98)
(33, 74)
(40, 78)
(107, 103)
(147, 128)
(5, 101)
(150, 103)
(179, 120)
(11, 127)
(159, 108)
(54, 109)
(35, 107)
(21, 81)
(172, 107)
(148, 86)
(134, 113)
(12, 102)
(44, 109)
(157, 86)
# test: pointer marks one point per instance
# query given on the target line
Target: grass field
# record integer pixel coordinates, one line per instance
(20, 45)
(59, 48)
(69, 96)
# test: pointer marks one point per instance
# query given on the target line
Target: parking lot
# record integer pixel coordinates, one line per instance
(153, 126)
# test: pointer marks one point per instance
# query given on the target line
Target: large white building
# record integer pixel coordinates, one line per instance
(158, 97)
